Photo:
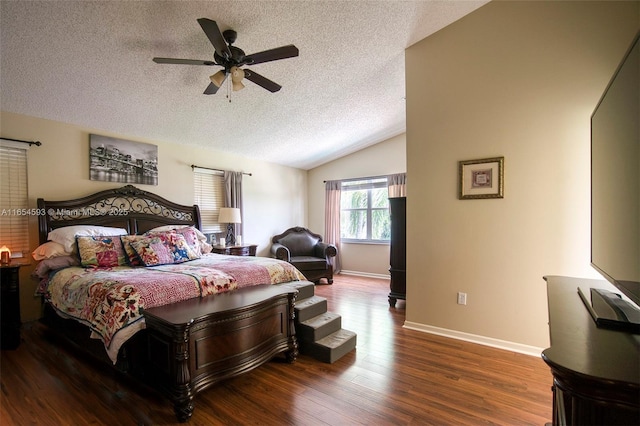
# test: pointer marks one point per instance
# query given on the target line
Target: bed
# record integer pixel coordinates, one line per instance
(153, 303)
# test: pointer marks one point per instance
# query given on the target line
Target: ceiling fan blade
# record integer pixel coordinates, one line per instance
(262, 81)
(211, 89)
(182, 61)
(212, 31)
(282, 52)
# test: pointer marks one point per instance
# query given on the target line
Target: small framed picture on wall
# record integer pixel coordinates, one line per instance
(482, 178)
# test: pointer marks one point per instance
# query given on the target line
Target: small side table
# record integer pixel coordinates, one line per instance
(238, 250)
(10, 306)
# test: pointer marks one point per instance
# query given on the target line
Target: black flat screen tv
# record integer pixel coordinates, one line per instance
(615, 178)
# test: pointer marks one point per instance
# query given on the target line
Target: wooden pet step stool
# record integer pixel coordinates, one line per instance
(320, 333)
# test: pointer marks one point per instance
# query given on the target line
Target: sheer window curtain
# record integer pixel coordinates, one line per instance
(397, 185)
(233, 196)
(333, 189)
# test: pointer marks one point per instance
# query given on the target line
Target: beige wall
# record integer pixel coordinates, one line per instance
(275, 197)
(519, 80)
(384, 158)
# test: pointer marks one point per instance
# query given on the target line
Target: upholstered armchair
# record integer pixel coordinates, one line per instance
(306, 251)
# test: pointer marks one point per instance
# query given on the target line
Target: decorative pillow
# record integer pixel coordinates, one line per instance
(101, 251)
(163, 228)
(196, 239)
(132, 255)
(49, 250)
(67, 234)
(163, 248)
(188, 233)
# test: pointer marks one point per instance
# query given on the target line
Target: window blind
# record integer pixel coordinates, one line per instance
(366, 183)
(14, 199)
(209, 196)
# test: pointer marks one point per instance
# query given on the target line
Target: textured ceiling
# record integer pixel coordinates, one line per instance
(89, 63)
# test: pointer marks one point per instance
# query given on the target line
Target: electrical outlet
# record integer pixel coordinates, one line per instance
(462, 298)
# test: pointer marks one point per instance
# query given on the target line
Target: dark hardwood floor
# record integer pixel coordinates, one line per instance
(394, 377)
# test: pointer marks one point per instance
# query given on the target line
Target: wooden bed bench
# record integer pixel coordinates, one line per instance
(198, 342)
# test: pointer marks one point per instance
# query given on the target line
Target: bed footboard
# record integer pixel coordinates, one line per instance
(196, 343)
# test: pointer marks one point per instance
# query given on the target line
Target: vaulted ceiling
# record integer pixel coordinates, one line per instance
(89, 63)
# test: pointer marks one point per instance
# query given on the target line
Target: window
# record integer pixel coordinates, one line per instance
(14, 198)
(364, 211)
(209, 196)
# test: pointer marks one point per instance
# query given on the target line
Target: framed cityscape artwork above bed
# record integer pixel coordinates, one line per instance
(119, 160)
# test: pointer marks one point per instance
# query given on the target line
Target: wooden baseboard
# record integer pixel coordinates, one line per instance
(365, 274)
(474, 338)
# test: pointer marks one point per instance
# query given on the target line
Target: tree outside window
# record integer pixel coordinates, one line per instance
(364, 211)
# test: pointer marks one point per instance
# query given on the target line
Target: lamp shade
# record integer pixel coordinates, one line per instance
(5, 255)
(229, 215)
(237, 75)
(218, 78)
(237, 85)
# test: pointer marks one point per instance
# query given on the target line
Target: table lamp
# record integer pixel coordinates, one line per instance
(5, 255)
(230, 215)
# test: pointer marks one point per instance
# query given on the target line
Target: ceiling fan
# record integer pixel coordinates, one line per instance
(232, 58)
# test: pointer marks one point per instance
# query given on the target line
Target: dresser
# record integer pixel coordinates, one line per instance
(10, 306)
(237, 250)
(596, 371)
(398, 249)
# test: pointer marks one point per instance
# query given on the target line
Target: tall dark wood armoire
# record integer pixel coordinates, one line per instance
(398, 249)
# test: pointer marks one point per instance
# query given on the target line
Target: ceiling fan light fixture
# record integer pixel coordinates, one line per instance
(218, 78)
(231, 58)
(237, 74)
(237, 85)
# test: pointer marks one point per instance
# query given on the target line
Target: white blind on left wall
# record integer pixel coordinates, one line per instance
(14, 198)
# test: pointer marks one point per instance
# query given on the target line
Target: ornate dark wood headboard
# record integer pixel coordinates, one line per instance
(128, 207)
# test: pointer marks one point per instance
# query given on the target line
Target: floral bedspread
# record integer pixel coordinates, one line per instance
(110, 299)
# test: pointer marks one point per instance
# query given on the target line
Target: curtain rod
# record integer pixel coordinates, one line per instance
(193, 166)
(36, 143)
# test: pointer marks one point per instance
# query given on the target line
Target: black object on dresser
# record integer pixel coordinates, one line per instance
(10, 306)
(398, 249)
(596, 371)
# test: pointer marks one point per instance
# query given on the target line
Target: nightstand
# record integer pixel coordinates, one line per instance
(10, 306)
(239, 250)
